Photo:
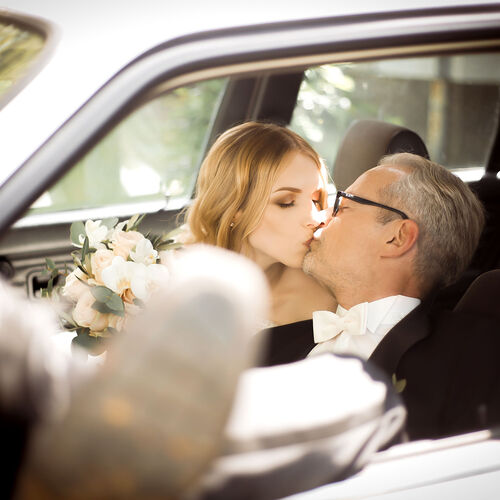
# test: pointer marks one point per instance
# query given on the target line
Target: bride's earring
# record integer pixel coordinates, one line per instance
(231, 225)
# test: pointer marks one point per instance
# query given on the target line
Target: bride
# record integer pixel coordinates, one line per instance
(260, 192)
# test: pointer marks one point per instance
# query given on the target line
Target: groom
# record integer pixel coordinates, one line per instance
(402, 230)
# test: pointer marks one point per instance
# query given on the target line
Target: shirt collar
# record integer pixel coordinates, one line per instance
(389, 310)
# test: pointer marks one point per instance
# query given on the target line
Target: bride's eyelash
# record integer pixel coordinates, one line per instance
(287, 205)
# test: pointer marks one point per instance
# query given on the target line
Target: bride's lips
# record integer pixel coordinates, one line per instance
(308, 242)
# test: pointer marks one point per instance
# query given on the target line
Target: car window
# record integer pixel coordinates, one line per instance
(452, 102)
(19, 48)
(150, 156)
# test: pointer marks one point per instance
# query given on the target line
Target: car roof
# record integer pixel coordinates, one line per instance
(93, 40)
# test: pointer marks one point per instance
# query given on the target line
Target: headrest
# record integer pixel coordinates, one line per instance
(366, 142)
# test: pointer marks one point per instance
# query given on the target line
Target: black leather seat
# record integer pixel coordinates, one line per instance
(482, 296)
(366, 142)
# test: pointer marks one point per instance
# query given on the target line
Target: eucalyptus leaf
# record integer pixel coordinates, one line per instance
(77, 228)
(68, 318)
(88, 264)
(399, 385)
(113, 302)
(116, 305)
(169, 246)
(50, 264)
(176, 232)
(87, 341)
(131, 222)
(134, 222)
(102, 293)
(110, 223)
(85, 248)
(101, 307)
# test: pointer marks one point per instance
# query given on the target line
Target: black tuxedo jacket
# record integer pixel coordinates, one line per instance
(449, 362)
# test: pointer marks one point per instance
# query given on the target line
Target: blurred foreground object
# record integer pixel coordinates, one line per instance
(301, 425)
(36, 378)
(150, 420)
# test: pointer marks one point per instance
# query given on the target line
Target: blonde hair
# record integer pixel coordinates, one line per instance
(449, 216)
(235, 182)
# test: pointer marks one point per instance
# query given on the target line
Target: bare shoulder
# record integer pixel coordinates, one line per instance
(297, 296)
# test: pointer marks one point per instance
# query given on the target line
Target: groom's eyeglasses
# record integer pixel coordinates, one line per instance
(363, 201)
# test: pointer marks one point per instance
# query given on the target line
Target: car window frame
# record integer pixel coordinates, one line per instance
(252, 50)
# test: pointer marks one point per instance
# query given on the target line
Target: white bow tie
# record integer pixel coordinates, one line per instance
(327, 325)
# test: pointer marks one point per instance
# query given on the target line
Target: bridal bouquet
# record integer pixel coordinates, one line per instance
(116, 269)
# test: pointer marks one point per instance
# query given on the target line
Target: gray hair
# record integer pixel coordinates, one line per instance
(449, 216)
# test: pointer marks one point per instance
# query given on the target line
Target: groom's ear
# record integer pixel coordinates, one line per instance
(401, 237)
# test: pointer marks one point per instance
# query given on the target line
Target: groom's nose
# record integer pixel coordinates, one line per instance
(323, 217)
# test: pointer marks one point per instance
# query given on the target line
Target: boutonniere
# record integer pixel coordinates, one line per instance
(399, 385)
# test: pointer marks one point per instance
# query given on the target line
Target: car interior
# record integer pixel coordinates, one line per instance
(353, 113)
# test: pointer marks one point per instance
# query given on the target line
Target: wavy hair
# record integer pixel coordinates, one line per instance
(235, 182)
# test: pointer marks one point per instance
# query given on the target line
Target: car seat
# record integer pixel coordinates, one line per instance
(487, 190)
(487, 255)
(482, 295)
(366, 142)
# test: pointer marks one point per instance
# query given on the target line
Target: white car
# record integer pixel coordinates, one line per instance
(107, 108)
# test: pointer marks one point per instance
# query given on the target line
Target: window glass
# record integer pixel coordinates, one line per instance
(18, 49)
(451, 102)
(151, 155)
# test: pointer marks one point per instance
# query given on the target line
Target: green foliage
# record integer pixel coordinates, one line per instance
(333, 96)
(399, 385)
(54, 274)
(107, 301)
(153, 153)
(168, 241)
(77, 229)
(160, 241)
(110, 223)
(134, 221)
(95, 345)
(18, 48)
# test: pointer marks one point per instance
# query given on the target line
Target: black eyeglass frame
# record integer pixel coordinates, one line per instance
(363, 201)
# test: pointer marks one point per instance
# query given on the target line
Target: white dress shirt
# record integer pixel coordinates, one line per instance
(382, 315)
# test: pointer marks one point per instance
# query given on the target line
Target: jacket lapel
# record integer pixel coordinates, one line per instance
(411, 329)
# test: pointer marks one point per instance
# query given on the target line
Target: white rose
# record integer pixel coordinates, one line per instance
(74, 288)
(122, 242)
(144, 253)
(85, 316)
(99, 261)
(97, 322)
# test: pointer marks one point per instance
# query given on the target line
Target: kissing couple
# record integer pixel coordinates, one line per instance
(365, 287)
